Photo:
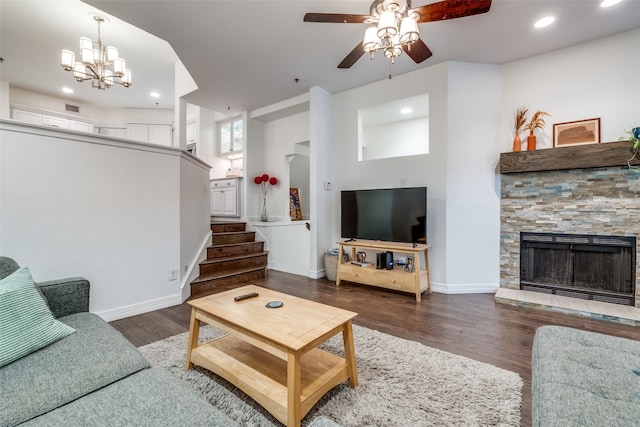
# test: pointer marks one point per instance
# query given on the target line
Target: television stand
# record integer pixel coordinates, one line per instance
(398, 279)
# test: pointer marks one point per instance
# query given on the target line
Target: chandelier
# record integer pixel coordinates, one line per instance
(396, 27)
(95, 62)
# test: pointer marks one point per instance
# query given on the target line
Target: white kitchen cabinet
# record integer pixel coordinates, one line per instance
(56, 122)
(138, 132)
(154, 134)
(160, 134)
(80, 126)
(225, 197)
(192, 133)
(114, 132)
(27, 117)
(35, 118)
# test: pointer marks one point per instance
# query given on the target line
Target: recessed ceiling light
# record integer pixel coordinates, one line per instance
(154, 95)
(406, 110)
(544, 22)
(608, 3)
(67, 90)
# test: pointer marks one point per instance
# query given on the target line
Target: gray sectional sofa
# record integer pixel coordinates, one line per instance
(93, 377)
(582, 378)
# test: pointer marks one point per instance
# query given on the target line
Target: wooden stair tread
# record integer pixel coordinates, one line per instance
(233, 257)
(225, 273)
(232, 233)
(223, 245)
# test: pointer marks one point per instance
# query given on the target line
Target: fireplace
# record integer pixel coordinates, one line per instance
(599, 268)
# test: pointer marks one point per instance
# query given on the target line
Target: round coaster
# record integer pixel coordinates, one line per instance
(274, 304)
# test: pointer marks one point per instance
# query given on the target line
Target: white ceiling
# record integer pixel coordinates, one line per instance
(247, 54)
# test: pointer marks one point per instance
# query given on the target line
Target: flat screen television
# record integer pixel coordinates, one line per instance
(390, 214)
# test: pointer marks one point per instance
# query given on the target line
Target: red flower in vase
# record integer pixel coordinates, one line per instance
(265, 181)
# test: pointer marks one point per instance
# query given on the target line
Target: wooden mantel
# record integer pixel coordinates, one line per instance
(573, 157)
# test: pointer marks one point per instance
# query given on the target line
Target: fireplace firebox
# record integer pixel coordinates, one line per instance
(599, 268)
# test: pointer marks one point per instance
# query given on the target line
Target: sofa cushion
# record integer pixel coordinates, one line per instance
(152, 397)
(582, 378)
(26, 323)
(93, 357)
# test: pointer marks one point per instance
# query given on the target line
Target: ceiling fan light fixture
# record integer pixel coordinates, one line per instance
(371, 42)
(387, 25)
(393, 49)
(409, 32)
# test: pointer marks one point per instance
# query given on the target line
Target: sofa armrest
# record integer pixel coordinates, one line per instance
(66, 296)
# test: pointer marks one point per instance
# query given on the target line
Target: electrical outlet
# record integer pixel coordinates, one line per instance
(327, 185)
(173, 274)
(403, 182)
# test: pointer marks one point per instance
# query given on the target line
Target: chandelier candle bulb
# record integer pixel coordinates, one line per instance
(79, 71)
(112, 53)
(86, 43)
(118, 67)
(68, 59)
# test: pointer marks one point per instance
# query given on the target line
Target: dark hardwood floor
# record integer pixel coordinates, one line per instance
(470, 325)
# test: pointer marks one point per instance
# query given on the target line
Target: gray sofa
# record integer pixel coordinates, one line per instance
(582, 378)
(93, 377)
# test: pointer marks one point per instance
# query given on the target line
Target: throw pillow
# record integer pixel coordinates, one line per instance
(26, 323)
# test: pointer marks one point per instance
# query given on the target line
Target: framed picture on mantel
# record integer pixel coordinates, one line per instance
(576, 133)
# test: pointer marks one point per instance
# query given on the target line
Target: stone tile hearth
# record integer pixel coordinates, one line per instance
(577, 307)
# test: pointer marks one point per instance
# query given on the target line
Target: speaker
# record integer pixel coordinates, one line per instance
(389, 260)
(381, 260)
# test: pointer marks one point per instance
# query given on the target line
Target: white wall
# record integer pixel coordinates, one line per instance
(396, 139)
(74, 204)
(195, 222)
(280, 139)
(429, 170)
(322, 158)
(5, 112)
(596, 79)
(473, 198)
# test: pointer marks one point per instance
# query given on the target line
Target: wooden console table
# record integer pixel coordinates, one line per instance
(415, 282)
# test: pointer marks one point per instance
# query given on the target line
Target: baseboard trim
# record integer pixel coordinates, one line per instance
(317, 274)
(139, 308)
(465, 288)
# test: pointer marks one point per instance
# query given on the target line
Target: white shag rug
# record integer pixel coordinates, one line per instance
(401, 383)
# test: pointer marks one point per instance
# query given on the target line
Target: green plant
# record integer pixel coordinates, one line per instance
(630, 137)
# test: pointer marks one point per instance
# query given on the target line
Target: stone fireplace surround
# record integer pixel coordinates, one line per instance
(586, 189)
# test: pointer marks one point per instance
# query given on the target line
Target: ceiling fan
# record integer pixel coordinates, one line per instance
(394, 26)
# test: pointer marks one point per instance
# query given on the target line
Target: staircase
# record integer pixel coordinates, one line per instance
(234, 257)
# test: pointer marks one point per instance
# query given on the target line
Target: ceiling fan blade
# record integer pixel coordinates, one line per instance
(352, 57)
(418, 51)
(337, 18)
(451, 9)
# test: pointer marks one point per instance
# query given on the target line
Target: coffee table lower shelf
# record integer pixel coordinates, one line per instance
(266, 378)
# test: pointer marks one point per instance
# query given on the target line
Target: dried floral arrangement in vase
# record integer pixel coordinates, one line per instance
(520, 120)
(536, 122)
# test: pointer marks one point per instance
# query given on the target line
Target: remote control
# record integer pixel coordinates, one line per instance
(245, 296)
